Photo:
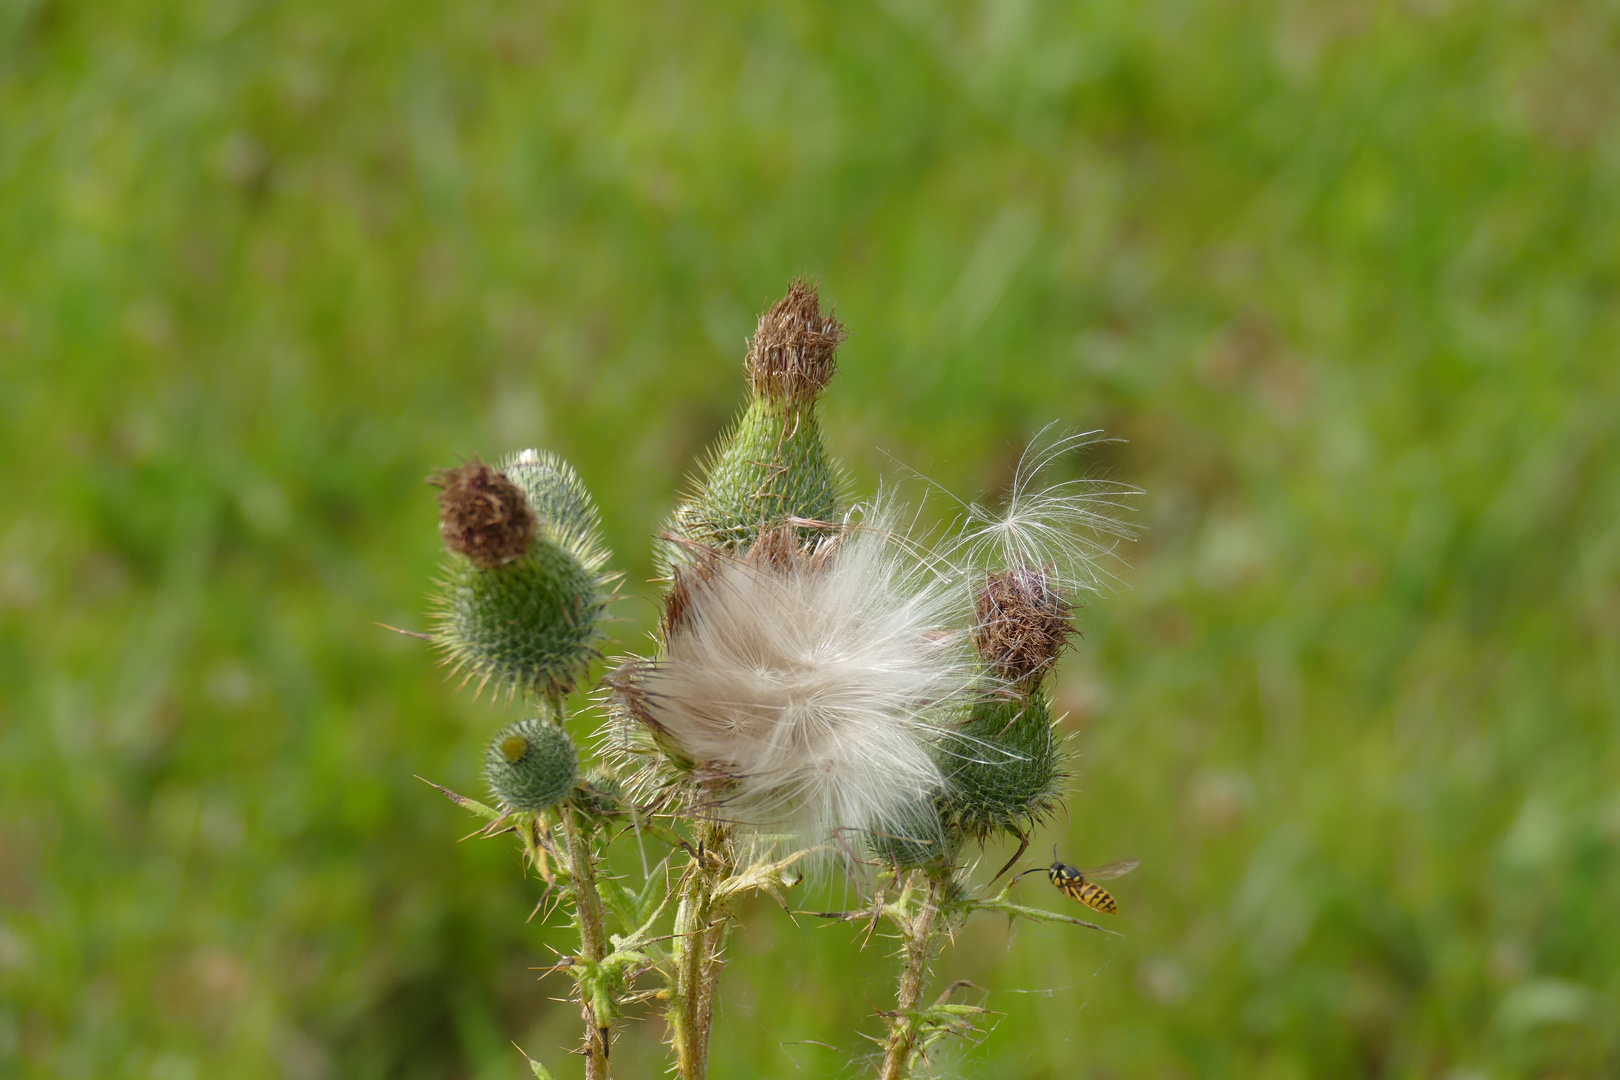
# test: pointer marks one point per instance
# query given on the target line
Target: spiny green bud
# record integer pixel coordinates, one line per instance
(559, 498)
(531, 765)
(773, 465)
(600, 792)
(1004, 766)
(528, 621)
(914, 837)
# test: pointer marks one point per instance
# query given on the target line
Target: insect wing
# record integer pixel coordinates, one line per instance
(1112, 870)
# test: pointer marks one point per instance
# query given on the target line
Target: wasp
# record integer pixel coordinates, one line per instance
(1082, 885)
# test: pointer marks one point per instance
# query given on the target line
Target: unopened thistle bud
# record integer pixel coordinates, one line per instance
(527, 618)
(600, 792)
(1005, 765)
(773, 465)
(559, 497)
(531, 765)
(1005, 769)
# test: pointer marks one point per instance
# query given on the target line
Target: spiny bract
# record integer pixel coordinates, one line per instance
(1004, 766)
(913, 836)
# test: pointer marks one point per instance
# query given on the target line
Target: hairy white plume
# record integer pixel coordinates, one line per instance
(1072, 527)
(805, 683)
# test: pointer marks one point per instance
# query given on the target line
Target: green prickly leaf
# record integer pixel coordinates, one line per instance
(632, 907)
(620, 899)
(485, 812)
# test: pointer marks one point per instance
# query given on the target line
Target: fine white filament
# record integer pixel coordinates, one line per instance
(1074, 527)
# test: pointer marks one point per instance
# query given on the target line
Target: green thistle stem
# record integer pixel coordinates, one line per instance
(699, 938)
(592, 940)
(918, 947)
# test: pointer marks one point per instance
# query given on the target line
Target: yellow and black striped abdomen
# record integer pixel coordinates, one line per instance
(1074, 883)
(1094, 896)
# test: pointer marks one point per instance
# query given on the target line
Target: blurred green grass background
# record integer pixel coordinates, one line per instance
(1345, 276)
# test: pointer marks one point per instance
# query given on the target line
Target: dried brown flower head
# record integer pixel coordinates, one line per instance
(483, 515)
(791, 355)
(1024, 622)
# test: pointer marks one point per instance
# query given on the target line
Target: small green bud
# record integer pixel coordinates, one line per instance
(773, 466)
(1004, 766)
(530, 620)
(560, 499)
(600, 792)
(531, 765)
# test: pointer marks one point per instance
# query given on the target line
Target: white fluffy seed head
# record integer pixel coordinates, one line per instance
(1073, 528)
(804, 683)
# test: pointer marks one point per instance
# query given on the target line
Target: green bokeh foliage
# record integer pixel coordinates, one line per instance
(1344, 277)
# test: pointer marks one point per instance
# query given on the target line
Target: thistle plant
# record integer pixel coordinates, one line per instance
(824, 689)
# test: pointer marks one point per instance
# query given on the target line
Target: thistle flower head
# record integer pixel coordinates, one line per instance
(483, 514)
(771, 466)
(801, 684)
(1023, 622)
(528, 621)
(791, 355)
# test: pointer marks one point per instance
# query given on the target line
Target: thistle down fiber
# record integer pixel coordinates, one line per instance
(803, 683)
